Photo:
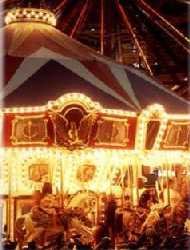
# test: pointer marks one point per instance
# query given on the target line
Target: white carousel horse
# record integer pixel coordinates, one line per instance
(85, 232)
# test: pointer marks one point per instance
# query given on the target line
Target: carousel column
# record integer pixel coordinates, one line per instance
(60, 158)
(168, 185)
(135, 186)
(130, 181)
(12, 175)
(167, 195)
(97, 208)
(138, 174)
(62, 181)
(161, 181)
(123, 187)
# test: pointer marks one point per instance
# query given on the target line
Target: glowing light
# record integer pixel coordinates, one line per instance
(108, 162)
(155, 111)
(30, 15)
(64, 177)
(166, 173)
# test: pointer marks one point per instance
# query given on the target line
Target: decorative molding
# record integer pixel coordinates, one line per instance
(30, 15)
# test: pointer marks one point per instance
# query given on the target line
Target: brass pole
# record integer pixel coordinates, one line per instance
(123, 187)
(168, 188)
(9, 201)
(136, 178)
(97, 208)
(130, 176)
(62, 181)
(10, 204)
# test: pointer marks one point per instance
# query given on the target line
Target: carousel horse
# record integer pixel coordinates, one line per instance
(39, 225)
(132, 223)
(26, 231)
(165, 224)
(152, 218)
(75, 223)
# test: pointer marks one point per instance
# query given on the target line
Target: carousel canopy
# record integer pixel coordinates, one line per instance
(42, 64)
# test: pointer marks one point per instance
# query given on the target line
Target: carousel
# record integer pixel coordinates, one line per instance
(79, 133)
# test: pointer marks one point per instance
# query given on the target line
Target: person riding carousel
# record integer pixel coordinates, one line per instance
(43, 217)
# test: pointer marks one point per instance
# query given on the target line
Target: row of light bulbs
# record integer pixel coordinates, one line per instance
(30, 14)
(72, 98)
(67, 99)
(50, 155)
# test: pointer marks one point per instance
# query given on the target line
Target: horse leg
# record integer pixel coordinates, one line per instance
(37, 235)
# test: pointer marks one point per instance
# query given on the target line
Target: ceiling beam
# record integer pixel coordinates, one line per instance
(165, 25)
(133, 35)
(80, 19)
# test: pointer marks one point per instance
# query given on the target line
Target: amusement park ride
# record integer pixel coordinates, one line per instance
(148, 34)
(104, 136)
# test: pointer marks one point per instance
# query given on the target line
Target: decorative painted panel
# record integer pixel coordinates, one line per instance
(177, 135)
(115, 132)
(27, 130)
